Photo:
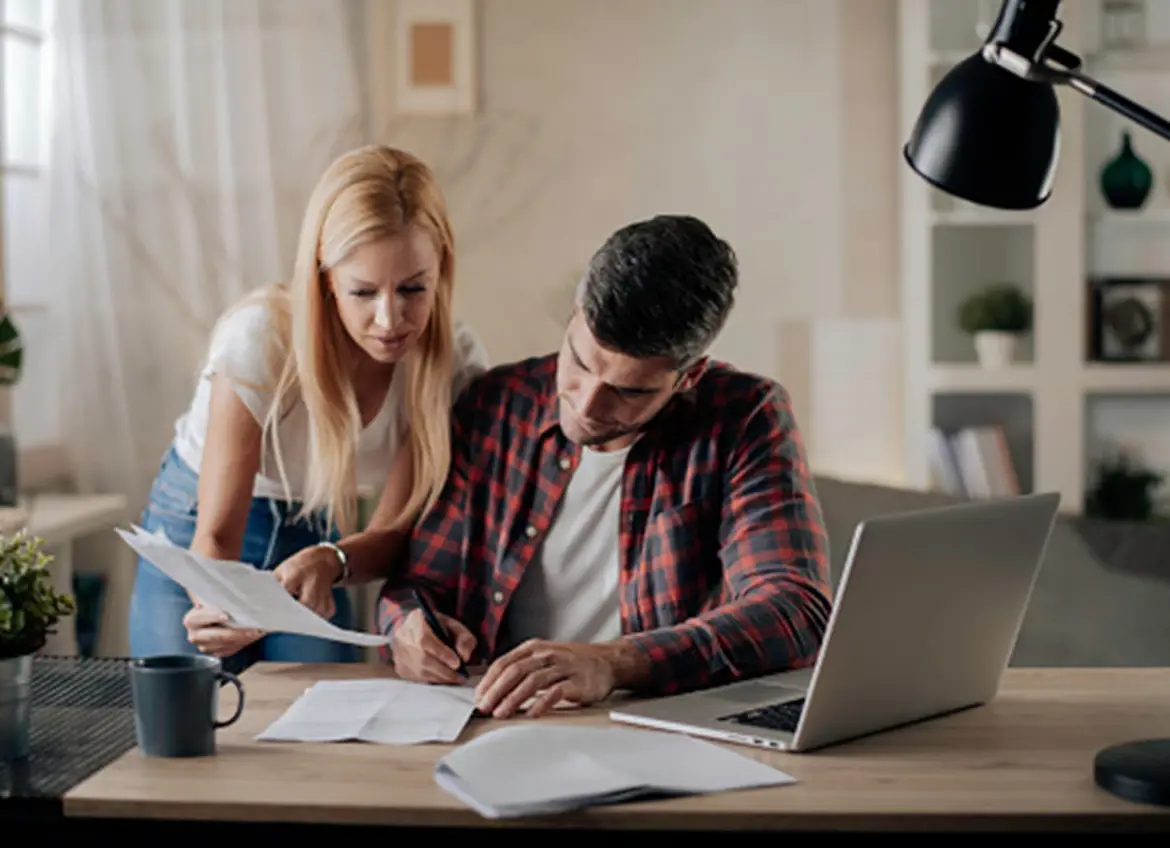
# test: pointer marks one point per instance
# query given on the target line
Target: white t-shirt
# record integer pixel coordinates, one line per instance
(569, 593)
(239, 348)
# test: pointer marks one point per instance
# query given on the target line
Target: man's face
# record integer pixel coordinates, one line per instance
(606, 397)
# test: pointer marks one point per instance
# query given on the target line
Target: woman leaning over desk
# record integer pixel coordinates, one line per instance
(343, 377)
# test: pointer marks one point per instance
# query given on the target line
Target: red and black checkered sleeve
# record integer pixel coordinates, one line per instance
(436, 544)
(774, 553)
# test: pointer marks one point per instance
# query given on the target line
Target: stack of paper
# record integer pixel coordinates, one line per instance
(250, 597)
(535, 769)
(390, 712)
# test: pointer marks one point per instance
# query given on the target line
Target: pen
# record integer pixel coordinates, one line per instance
(438, 629)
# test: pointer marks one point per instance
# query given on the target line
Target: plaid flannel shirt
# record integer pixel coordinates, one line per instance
(724, 555)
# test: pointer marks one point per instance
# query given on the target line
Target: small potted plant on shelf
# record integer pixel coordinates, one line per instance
(30, 606)
(1124, 489)
(996, 317)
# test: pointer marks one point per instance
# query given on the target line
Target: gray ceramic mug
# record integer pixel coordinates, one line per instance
(175, 703)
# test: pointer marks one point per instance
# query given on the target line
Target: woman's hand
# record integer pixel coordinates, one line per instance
(206, 630)
(309, 577)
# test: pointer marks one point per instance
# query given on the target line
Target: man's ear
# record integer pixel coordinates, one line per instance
(692, 375)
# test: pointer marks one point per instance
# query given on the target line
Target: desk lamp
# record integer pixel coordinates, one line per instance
(989, 133)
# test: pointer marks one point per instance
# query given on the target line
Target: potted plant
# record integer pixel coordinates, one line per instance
(29, 608)
(1124, 489)
(996, 317)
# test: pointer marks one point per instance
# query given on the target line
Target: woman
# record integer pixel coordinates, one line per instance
(342, 378)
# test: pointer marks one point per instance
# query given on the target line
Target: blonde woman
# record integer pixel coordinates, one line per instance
(342, 378)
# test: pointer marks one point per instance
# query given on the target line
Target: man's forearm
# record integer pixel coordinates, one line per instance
(631, 665)
(394, 602)
(754, 635)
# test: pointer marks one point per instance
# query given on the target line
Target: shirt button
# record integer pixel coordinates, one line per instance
(530, 532)
(498, 596)
(566, 463)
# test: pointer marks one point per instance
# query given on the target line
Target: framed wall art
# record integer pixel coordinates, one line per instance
(1130, 319)
(435, 50)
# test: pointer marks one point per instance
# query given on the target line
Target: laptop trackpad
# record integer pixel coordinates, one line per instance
(754, 693)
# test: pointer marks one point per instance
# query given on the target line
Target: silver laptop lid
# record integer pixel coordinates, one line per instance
(927, 613)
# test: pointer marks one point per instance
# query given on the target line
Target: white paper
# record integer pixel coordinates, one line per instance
(539, 769)
(388, 712)
(251, 598)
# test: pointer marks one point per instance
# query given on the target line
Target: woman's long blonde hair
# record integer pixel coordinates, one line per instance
(365, 195)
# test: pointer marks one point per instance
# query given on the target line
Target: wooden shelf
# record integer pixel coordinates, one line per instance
(978, 217)
(1126, 378)
(963, 377)
(1156, 215)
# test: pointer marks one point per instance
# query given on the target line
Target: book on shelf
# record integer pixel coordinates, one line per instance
(973, 462)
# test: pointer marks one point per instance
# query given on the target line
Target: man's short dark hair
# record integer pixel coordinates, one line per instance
(660, 287)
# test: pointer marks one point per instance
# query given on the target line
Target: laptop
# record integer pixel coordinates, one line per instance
(926, 617)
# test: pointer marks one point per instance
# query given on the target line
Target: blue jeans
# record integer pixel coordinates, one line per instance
(272, 535)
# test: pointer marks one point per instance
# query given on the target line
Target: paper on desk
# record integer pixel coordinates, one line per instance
(540, 769)
(250, 597)
(389, 712)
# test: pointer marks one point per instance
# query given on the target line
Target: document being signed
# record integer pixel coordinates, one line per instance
(388, 712)
(250, 597)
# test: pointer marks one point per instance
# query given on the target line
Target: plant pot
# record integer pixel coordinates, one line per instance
(995, 349)
(15, 699)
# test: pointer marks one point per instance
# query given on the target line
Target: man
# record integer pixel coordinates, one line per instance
(626, 514)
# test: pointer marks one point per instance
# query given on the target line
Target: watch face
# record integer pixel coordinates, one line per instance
(1130, 321)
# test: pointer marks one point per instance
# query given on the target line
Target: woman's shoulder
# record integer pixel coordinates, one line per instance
(247, 320)
(241, 340)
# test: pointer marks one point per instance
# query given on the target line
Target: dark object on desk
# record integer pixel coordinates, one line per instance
(438, 629)
(1136, 771)
(175, 704)
(82, 720)
(989, 132)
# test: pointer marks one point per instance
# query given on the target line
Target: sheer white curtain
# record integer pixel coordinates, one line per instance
(187, 137)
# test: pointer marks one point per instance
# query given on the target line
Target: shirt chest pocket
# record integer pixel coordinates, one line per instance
(680, 561)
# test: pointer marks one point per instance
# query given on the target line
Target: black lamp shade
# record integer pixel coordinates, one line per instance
(988, 136)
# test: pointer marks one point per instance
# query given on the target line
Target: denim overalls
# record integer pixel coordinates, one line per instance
(272, 535)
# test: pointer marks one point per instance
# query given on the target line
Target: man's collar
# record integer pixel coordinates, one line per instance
(550, 415)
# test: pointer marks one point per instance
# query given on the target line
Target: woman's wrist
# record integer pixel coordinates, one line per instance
(338, 560)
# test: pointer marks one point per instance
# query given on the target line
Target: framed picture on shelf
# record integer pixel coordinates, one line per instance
(1129, 319)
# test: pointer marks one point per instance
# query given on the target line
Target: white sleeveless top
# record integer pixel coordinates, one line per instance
(238, 349)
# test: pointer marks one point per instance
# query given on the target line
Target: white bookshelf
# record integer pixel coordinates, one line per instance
(950, 249)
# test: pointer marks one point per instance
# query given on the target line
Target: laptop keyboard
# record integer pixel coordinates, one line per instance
(783, 717)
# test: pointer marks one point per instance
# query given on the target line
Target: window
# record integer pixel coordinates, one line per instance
(28, 290)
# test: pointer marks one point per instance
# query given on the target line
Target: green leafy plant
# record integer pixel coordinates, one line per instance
(1123, 490)
(1001, 307)
(11, 350)
(29, 605)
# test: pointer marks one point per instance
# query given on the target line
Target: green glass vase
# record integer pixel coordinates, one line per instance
(1126, 180)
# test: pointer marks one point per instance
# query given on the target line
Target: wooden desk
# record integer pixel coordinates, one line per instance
(1022, 763)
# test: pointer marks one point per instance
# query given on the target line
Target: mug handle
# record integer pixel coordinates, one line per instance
(228, 677)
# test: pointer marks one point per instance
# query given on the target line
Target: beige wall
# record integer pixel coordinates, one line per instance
(774, 120)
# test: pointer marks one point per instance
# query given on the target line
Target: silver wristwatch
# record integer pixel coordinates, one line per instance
(341, 557)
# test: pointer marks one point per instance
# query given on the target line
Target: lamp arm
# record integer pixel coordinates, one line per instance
(1060, 67)
(1120, 104)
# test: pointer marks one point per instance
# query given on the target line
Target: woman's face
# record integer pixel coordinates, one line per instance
(385, 291)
